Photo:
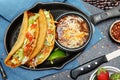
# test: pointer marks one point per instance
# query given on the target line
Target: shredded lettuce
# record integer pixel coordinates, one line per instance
(39, 56)
(19, 54)
(33, 18)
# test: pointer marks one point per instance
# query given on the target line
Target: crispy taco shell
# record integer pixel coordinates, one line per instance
(46, 50)
(42, 34)
(20, 40)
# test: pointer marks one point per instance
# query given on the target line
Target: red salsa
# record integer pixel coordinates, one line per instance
(115, 31)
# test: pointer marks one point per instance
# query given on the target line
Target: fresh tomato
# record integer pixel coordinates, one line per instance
(50, 31)
(33, 26)
(29, 36)
(27, 49)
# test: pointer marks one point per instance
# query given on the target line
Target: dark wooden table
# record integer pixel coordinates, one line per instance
(104, 46)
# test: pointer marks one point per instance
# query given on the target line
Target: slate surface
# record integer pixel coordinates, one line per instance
(104, 46)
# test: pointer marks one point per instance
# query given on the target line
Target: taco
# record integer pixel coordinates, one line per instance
(26, 41)
(43, 31)
(49, 40)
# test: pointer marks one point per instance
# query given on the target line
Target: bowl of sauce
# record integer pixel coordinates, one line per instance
(72, 32)
(115, 31)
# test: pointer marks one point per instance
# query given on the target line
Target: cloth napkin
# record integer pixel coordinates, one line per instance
(9, 9)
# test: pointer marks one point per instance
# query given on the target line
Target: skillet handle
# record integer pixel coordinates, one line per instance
(115, 12)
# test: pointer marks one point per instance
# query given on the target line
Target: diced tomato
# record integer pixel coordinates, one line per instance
(27, 49)
(50, 31)
(46, 50)
(28, 45)
(29, 36)
(33, 26)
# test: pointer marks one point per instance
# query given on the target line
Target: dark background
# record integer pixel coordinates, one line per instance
(104, 4)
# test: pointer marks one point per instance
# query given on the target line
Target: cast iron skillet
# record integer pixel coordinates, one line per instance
(56, 9)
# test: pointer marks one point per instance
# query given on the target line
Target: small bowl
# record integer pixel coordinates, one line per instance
(89, 28)
(110, 31)
(110, 69)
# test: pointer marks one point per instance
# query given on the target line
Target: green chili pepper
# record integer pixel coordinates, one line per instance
(56, 54)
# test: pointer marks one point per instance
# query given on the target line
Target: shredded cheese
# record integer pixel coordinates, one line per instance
(69, 31)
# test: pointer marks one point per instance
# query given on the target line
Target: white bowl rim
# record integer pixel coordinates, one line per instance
(108, 68)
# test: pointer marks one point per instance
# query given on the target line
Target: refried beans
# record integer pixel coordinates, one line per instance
(72, 31)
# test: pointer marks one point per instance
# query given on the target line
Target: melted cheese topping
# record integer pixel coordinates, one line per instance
(72, 31)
